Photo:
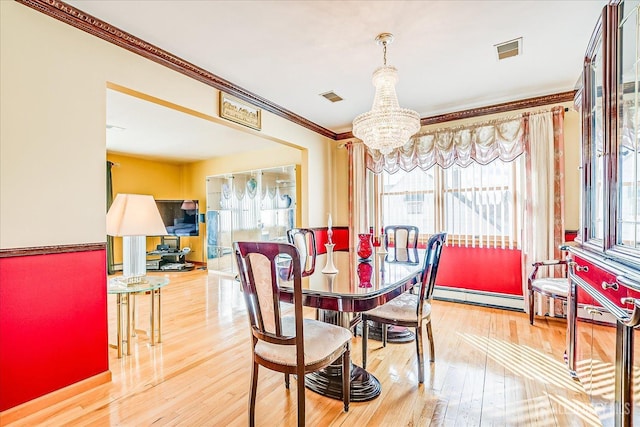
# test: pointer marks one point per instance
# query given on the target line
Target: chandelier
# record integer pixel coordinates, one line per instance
(386, 126)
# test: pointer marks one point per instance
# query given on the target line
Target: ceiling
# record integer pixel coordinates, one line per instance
(137, 127)
(290, 52)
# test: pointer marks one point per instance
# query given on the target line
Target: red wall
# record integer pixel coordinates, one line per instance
(340, 237)
(53, 323)
(481, 269)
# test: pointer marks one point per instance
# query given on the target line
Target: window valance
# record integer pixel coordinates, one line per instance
(480, 142)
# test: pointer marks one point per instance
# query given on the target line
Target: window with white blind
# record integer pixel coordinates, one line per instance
(477, 205)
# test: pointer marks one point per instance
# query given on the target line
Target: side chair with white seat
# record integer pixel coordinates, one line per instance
(287, 344)
(411, 310)
(553, 287)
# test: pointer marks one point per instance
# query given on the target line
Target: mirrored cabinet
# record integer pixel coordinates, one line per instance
(257, 205)
(605, 272)
(626, 151)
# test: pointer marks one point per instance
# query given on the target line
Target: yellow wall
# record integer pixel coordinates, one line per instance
(164, 181)
(171, 181)
(53, 133)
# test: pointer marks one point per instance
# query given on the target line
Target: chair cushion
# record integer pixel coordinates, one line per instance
(551, 286)
(320, 340)
(402, 308)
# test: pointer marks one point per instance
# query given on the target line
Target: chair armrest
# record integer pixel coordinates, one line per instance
(545, 263)
(550, 262)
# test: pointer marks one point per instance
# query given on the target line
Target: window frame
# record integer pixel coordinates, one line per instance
(509, 240)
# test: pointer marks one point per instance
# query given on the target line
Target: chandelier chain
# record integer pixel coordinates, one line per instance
(384, 53)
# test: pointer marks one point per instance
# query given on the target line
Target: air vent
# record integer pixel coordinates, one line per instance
(332, 96)
(509, 49)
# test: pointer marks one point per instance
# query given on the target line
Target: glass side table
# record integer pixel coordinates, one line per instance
(125, 298)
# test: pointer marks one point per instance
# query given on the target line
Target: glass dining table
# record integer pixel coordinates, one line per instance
(358, 286)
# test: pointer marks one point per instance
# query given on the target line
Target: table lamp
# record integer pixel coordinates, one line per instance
(134, 217)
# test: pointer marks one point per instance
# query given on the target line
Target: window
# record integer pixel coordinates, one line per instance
(476, 205)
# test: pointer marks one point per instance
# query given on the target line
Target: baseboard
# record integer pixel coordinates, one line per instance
(485, 299)
(31, 407)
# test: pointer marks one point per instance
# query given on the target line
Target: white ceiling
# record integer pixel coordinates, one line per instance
(291, 51)
(144, 129)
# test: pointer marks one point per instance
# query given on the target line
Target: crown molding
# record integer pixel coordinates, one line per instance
(96, 27)
(538, 101)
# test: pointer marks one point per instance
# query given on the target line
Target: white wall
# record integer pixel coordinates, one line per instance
(53, 80)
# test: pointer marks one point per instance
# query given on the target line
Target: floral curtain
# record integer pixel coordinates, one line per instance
(484, 142)
(544, 197)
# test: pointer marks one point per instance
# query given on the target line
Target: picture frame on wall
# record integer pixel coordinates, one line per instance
(236, 110)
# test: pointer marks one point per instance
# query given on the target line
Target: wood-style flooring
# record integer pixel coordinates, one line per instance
(492, 369)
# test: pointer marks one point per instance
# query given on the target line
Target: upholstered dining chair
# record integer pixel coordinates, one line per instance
(402, 236)
(305, 240)
(554, 287)
(284, 343)
(410, 310)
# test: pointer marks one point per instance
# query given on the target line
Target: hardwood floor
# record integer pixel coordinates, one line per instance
(492, 369)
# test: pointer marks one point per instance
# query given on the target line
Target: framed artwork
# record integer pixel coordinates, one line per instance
(236, 110)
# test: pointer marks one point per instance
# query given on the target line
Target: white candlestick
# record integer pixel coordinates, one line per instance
(329, 268)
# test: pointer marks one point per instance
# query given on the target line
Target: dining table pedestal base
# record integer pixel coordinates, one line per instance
(395, 334)
(328, 382)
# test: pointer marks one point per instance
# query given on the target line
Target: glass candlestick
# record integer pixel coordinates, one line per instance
(381, 247)
(329, 268)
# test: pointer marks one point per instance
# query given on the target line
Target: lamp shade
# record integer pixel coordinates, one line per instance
(134, 215)
(189, 205)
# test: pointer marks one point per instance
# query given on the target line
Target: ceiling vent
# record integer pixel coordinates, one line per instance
(332, 96)
(509, 49)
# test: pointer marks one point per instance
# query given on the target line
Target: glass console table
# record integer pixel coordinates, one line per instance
(125, 297)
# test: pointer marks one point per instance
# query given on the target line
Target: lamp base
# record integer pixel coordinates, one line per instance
(134, 259)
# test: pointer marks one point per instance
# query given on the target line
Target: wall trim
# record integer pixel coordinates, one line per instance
(25, 409)
(96, 27)
(485, 299)
(48, 250)
(504, 107)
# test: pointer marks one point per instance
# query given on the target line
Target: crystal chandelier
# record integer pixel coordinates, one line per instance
(386, 126)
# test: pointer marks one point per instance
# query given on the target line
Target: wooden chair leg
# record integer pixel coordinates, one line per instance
(531, 306)
(365, 336)
(384, 334)
(432, 347)
(346, 378)
(286, 381)
(301, 398)
(252, 395)
(420, 354)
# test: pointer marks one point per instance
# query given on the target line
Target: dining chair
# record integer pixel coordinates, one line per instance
(285, 343)
(304, 239)
(410, 310)
(402, 236)
(553, 287)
